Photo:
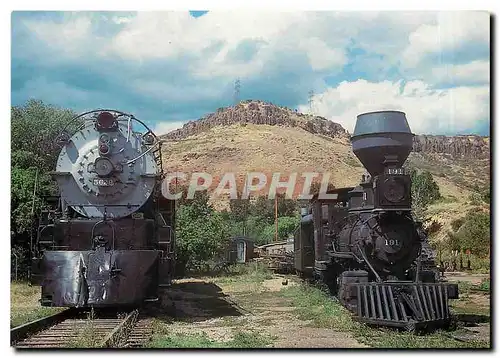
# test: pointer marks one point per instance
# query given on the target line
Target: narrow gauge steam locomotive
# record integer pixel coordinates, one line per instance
(107, 239)
(363, 241)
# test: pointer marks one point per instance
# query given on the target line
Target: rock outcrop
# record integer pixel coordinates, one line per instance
(464, 146)
(259, 112)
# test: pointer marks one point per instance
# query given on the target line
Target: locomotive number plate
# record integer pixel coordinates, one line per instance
(395, 171)
(103, 182)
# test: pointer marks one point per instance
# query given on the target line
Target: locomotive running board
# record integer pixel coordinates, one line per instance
(401, 304)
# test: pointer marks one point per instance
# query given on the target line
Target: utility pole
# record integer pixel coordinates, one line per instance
(237, 87)
(311, 101)
(276, 216)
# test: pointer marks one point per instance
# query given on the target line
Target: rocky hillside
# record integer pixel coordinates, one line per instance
(258, 112)
(471, 146)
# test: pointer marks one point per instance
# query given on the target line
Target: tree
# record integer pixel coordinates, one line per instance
(265, 208)
(471, 232)
(474, 234)
(34, 128)
(202, 233)
(424, 191)
(286, 227)
(239, 209)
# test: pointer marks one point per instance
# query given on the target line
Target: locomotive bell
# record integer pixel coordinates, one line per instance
(382, 139)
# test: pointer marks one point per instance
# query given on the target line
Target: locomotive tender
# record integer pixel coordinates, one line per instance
(108, 238)
(365, 245)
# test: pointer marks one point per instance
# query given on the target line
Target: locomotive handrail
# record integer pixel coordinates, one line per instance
(368, 263)
(141, 155)
(156, 142)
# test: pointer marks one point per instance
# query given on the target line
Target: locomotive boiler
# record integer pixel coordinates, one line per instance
(107, 239)
(363, 242)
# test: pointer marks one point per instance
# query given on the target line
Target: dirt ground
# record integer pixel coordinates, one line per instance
(223, 309)
(242, 308)
(474, 279)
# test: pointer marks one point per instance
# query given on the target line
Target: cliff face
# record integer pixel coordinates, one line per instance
(258, 112)
(471, 146)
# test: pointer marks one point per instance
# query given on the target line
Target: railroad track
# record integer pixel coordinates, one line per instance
(75, 328)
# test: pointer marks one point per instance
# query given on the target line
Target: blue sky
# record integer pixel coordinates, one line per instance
(170, 67)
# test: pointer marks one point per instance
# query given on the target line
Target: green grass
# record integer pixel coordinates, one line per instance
(316, 305)
(485, 284)
(467, 303)
(201, 340)
(87, 336)
(24, 304)
(254, 272)
(447, 199)
(381, 338)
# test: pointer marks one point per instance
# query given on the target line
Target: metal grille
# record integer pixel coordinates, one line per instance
(401, 303)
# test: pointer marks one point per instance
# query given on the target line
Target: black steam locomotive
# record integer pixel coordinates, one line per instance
(363, 241)
(107, 239)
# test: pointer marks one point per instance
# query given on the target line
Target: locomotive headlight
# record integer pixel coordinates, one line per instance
(104, 148)
(104, 138)
(394, 190)
(106, 120)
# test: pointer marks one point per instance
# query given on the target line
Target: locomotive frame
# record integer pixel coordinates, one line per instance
(101, 259)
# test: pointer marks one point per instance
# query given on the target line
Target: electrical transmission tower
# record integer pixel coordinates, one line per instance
(311, 101)
(237, 86)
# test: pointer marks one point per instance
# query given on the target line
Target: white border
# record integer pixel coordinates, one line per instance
(487, 5)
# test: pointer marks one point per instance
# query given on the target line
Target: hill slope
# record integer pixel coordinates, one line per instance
(257, 136)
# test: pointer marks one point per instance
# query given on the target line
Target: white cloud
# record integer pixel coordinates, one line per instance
(428, 110)
(472, 72)
(321, 56)
(452, 31)
(67, 36)
(121, 20)
(207, 42)
(166, 127)
(161, 35)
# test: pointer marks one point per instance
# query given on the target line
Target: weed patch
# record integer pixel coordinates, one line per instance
(25, 306)
(201, 340)
(382, 338)
(253, 272)
(316, 305)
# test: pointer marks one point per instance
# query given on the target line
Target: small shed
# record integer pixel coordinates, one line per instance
(240, 249)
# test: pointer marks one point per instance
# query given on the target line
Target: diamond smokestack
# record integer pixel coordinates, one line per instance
(382, 139)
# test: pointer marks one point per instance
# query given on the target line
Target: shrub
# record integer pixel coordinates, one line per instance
(424, 191)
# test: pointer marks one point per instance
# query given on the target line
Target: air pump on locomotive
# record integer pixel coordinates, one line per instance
(107, 239)
(363, 241)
